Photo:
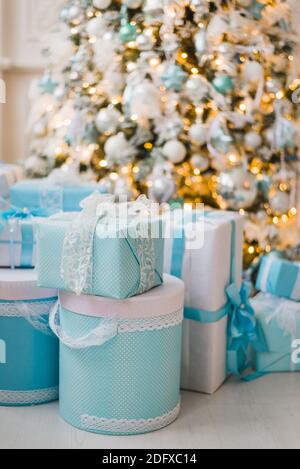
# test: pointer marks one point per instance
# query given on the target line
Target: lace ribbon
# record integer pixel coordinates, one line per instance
(109, 328)
(35, 312)
(38, 396)
(285, 315)
(128, 426)
(77, 256)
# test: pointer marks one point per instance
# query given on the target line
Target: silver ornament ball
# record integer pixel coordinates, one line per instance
(108, 120)
(101, 4)
(200, 162)
(174, 151)
(236, 189)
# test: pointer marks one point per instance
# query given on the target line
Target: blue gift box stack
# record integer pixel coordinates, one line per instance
(115, 314)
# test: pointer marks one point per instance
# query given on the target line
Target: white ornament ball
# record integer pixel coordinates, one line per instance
(253, 140)
(108, 120)
(153, 6)
(162, 188)
(245, 3)
(269, 135)
(279, 202)
(198, 133)
(253, 71)
(101, 4)
(95, 26)
(133, 3)
(200, 162)
(145, 41)
(74, 12)
(196, 88)
(116, 145)
(144, 100)
(174, 151)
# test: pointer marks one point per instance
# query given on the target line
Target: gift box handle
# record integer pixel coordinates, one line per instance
(107, 330)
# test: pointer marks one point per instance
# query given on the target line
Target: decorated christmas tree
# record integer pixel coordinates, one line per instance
(186, 100)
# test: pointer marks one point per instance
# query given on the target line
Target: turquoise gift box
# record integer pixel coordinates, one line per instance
(79, 255)
(29, 352)
(279, 277)
(40, 194)
(120, 360)
(18, 243)
(279, 322)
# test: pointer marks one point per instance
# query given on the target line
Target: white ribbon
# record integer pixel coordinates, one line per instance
(77, 255)
(35, 313)
(107, 330)
(286, 314)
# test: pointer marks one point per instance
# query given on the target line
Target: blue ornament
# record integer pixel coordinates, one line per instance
(223, 84)
(91, 134)
(286, 134)
(128, 32)
(47, 85)
(174, 77)
(257, 9)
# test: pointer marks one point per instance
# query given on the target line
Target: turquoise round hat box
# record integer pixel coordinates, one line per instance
(29, 357)
(120, 360)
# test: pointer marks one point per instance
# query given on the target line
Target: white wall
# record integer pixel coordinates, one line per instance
(25, 22)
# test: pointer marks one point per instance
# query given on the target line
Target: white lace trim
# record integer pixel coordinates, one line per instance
(151, 324)
(36, 313)
(146, 255)
(126, 427)
(17, 309)
(28, 397)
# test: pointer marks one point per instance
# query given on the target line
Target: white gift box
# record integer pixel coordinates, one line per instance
(9, 174)
(207, 271)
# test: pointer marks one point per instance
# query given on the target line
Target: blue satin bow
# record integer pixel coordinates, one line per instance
(22, 214)
(242, 329)
(27, 234)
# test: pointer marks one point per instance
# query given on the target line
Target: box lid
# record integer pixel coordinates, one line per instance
(163, 300)
(21, 284)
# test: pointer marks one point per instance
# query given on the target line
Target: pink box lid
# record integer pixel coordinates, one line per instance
(163, 300)
(21, 284)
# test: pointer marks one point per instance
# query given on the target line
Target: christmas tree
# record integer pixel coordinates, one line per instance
(188, 100)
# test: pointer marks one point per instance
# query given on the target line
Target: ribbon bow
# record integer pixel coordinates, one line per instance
(22, 214)
(242, 328)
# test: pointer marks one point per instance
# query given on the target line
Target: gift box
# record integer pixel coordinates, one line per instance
(279, 321)
(207, 265)
(18, 240)
(46, 195)
(28, 348)
(100, 255)
(9, 174)
(279, 277)
(120, 360)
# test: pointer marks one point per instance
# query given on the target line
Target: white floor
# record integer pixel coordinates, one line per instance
(261, 414)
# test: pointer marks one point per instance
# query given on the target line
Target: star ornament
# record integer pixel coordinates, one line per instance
(257, 9)
(174, 77)
(47, 85)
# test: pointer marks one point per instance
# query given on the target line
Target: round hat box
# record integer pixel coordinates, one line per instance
(120, 360)
(29, 355)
